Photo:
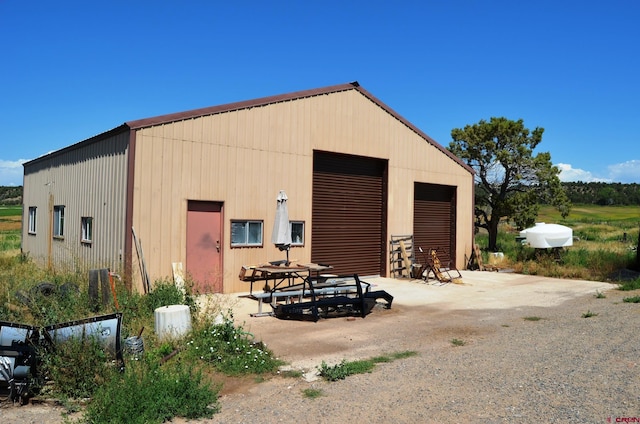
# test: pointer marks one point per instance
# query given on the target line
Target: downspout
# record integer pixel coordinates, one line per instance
(50, 235)
(128, 236)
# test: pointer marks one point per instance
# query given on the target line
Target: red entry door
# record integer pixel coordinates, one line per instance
(204, 245)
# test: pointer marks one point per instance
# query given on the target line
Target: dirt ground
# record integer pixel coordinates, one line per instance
(424, 318)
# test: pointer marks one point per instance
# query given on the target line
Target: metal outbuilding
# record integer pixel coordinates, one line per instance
(199, 188)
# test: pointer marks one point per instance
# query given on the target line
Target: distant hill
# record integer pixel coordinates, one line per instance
(11, 195)
(604, 194)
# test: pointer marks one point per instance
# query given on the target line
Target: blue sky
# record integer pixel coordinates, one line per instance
(74, 69)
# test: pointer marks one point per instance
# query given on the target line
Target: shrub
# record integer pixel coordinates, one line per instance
(147, 393)
(77, 366)
(630, 285)
(230, 349)
(166, 293)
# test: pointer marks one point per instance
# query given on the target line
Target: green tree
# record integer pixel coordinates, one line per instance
(511, 181)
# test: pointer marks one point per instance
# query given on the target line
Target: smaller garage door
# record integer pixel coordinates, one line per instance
(434, 219)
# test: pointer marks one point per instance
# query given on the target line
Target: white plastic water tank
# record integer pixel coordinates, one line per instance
(173, 321)
(544, 236)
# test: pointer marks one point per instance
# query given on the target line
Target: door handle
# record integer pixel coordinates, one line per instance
(218, 245)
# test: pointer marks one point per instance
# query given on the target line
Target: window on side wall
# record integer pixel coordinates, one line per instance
(87, 229)
(246, 233)
(32, 219)
(58, 221)
(297, 233)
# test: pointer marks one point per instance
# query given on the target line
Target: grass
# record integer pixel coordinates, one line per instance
(346, 368)
(532, 318)
(291, 373)
(600, 295)
(604, 239)
(311, 393)
(629, 285)
(458, 342)
(634, 299)
(10, 226)
(589, 314)
(10, 210)
(591, 214)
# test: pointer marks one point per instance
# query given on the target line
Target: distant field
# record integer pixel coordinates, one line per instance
(593, 214)
(10, 211)
(10, 218)
(10, 226)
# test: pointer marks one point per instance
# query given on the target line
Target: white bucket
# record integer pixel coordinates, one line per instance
(173, 321)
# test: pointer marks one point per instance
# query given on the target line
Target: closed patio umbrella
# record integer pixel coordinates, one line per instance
(281, 236)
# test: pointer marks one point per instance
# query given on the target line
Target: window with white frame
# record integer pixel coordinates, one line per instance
(58, 221)
(246, 233)
(87, 229)
(32, 219)
(297, 233)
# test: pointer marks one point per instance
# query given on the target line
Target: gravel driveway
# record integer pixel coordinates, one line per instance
(529, 356)
(511, 368)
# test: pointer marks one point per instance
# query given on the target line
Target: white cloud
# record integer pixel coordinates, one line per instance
(625, 172)
(11, 172)
(569, 173)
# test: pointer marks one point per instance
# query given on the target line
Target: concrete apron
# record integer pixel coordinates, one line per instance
(479, 290)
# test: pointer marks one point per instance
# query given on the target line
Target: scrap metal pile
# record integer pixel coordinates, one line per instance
(21, 345)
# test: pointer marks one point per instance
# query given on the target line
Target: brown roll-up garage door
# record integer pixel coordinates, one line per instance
(434, 219)
(348, 218)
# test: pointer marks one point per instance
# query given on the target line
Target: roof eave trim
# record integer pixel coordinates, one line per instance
(95, 139)
(230, 107)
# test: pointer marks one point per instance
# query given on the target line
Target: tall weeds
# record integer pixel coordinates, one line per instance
(597, 252)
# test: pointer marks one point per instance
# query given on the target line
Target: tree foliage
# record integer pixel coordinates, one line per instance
(10, 195)
(511, 181)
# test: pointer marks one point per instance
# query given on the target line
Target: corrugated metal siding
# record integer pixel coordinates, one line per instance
(348, 213)
(434, 220)
(244, 157)
(241, 157)
(90, 181)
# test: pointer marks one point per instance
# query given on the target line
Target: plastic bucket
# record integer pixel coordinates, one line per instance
(172, 322)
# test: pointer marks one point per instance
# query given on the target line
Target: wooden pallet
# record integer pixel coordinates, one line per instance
(401, 256)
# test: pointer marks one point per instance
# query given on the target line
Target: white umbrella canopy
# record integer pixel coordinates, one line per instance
(281, 236)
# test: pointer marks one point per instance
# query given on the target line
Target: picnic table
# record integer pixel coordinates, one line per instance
(284, 282)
